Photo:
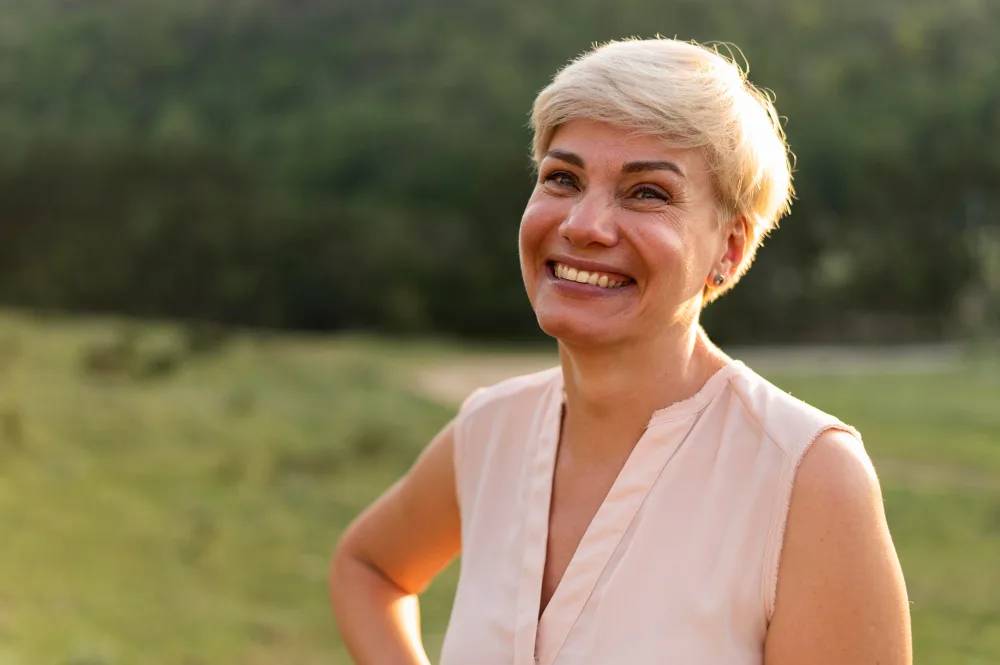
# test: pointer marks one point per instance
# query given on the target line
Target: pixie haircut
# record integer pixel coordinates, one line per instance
(692, 97)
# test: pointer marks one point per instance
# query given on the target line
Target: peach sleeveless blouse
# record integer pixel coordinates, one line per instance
(679, 565)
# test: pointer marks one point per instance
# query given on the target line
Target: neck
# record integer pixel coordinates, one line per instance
(611, 393)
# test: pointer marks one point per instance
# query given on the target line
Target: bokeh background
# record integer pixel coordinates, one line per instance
(254, 252)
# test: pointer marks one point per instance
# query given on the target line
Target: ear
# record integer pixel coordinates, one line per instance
(736, 241)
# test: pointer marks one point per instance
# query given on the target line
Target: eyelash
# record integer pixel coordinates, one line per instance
(641, 189)
(559, 174)
(662, 196)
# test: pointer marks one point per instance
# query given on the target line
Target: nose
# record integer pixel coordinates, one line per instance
(590, 221)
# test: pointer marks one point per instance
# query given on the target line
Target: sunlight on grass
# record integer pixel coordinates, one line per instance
(170, 496)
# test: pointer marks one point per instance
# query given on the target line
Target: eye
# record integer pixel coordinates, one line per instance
(649, 193)
(562, 179)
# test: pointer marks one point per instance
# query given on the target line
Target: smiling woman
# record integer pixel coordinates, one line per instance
(650, 499)
(651, 222)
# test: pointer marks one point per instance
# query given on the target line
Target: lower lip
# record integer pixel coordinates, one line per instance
(582, 288)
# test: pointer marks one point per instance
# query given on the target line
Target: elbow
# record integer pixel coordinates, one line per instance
(349, 565)
(342, 560)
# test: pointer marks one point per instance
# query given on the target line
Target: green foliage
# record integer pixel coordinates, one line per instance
(364, 165)
(191, 519)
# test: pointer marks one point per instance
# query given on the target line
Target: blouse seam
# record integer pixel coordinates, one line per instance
(767, 590)
(697, 410)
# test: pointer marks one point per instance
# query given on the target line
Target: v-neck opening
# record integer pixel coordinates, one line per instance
(540, 634)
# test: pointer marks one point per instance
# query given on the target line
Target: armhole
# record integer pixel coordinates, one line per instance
(779, 516)
(458, 446)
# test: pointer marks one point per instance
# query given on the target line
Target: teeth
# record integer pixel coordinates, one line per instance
(584, 277)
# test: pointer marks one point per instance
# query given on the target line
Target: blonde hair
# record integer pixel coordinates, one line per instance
(692, 97)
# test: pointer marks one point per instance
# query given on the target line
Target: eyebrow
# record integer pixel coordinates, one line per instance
(631, 167)
(639, 167)
(568, 157)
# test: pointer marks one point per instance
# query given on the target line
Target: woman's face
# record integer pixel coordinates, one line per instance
(638, 218)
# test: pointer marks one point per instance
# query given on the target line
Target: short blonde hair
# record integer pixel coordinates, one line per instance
(692, 97)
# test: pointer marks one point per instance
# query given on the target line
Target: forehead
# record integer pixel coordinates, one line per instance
(604, 147)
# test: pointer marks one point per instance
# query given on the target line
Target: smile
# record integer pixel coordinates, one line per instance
(571, 274)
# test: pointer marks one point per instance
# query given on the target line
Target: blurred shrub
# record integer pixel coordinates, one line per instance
(125, 356)
(11, 428)
(364, 165)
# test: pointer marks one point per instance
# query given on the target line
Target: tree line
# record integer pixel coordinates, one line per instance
(363, 165)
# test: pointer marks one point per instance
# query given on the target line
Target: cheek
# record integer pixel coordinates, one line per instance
(540, 218)
(672, 255)
(662, 248)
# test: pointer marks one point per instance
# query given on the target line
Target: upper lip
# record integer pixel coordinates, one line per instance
(590, 266)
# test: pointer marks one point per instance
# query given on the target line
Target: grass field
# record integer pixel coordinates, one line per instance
(171, 495)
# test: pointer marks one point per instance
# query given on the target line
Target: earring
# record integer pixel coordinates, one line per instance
(719, 279)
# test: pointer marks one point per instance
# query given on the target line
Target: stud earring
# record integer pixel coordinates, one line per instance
(719, 279)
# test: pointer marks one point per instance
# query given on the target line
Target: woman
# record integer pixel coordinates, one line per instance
(651, 500)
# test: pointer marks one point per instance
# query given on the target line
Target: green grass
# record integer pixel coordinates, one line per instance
(166, 501)
(186, 518)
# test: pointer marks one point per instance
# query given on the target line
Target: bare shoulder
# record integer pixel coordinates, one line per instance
(836, 477)
(841, 595)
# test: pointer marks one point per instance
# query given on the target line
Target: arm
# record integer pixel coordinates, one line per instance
(390, 553)
(841, 596)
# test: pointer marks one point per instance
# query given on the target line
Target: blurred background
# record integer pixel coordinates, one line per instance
(253, 253)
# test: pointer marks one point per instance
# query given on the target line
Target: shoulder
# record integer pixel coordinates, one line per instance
(836, 477)
(525, 388)
(789, 422)
(840, 589)
(836, 500)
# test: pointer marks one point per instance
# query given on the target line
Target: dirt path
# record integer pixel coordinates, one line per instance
(452, 378)
(451, 381)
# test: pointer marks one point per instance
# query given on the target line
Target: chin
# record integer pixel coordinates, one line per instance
(577, 330)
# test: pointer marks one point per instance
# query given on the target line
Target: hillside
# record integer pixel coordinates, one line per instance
(172, 494)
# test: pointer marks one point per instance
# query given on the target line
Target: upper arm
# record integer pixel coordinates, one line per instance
(841, 596)
(411, 532)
